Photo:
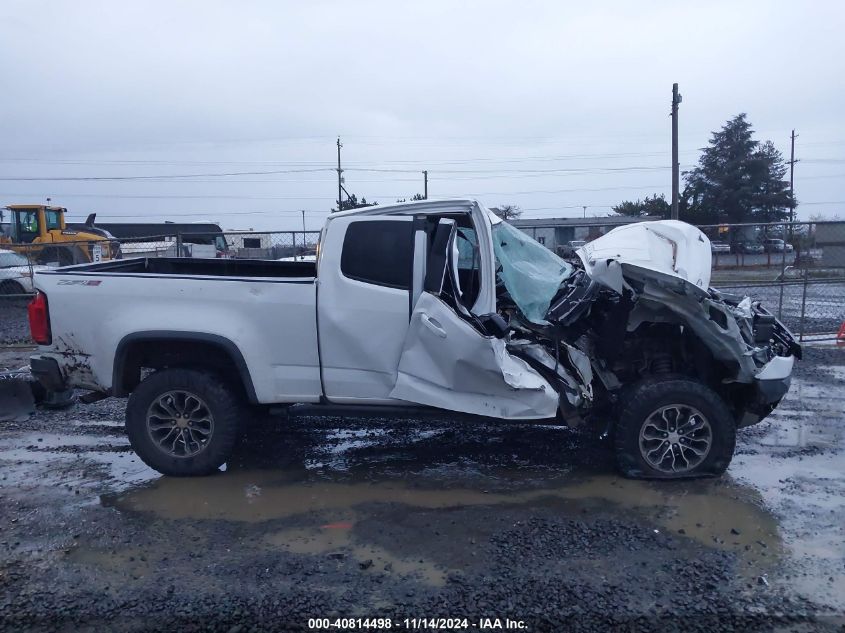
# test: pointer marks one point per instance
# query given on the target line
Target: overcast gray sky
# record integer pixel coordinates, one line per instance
(548, 105)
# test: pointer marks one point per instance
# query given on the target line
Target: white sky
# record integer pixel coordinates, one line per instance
(547, 105)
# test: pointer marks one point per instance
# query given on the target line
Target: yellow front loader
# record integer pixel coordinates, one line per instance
(40, 233)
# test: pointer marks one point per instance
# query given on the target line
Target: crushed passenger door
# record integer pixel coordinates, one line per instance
(449, 362)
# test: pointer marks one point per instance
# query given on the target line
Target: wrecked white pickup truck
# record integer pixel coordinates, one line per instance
(439, 304)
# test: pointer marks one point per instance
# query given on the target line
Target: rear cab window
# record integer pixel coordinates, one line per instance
(379, 252)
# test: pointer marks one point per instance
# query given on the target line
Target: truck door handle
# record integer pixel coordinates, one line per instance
(433, 325)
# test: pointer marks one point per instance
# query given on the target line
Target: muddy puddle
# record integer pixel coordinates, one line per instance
(334, 518)
(339, 536)
(716, 515)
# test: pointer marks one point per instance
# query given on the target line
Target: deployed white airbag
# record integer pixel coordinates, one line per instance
(666, 246)
(532, 274)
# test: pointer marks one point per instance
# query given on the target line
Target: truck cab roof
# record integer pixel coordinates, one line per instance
(420, 206)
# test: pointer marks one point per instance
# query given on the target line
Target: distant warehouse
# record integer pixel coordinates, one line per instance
(557, 233)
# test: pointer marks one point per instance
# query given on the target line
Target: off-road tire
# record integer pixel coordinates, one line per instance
(225, 406)
(642, 398)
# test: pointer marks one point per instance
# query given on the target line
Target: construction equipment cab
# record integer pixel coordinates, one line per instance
(41, 233)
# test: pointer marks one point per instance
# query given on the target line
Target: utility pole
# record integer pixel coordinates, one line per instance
(425, 184)
(304, 246)
(792, 162)
(339, 177)
(676, 167)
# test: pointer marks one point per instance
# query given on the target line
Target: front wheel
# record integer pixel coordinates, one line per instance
(672, 428)
(183, 422)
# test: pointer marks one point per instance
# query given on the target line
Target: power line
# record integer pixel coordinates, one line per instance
(555, 170)
(445, 161)
(377, 195)
(185, 177)
(164, 177)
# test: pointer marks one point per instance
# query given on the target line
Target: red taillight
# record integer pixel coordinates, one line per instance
(39, 320)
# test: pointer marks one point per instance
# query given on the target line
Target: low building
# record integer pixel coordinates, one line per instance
(556, 233)
(249, 240)
(830, 238)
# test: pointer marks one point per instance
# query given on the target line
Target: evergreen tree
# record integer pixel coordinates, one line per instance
(775, 199)
(653, 206)
(737, 179)
(351, 202)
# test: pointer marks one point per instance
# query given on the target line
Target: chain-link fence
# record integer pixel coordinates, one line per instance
(797, 269)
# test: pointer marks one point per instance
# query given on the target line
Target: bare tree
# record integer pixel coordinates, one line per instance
(507, 212)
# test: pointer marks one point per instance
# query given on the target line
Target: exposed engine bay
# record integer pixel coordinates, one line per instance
(636, 303)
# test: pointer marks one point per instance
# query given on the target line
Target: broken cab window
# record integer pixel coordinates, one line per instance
(468, 265)
(378, 252)
(531, 273)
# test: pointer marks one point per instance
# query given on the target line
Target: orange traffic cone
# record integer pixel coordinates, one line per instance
(840, 338)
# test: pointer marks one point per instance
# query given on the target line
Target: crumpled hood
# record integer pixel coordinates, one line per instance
(665, 246)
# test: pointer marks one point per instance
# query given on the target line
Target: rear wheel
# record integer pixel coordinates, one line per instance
(672, 428)
(183, 422)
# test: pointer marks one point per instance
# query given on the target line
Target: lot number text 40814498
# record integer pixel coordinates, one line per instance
(417, 624)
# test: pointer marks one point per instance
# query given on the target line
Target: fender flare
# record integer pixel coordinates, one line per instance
(214, 340)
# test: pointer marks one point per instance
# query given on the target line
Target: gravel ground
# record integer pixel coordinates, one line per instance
(343, 517)
(14, 327)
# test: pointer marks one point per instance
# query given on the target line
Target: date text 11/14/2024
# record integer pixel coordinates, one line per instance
(417, 624)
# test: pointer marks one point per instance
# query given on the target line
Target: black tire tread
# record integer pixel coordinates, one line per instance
(646, 395)
(227, 410)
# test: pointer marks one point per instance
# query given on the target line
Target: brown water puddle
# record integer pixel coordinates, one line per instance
(705, 511)
(714, 514)
(327, 538)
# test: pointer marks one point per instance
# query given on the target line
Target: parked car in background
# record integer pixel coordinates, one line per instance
(16, 273)
(747, 248)
(776, 246)
(569, 249)
(719, 247)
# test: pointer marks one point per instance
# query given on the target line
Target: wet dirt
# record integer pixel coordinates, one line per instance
(321, 516)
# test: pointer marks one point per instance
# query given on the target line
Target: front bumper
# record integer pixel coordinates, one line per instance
(770, 385)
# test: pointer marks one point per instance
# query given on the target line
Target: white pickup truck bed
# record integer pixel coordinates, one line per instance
(262, 311)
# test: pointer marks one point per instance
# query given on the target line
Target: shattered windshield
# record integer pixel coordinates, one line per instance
(531, 273)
